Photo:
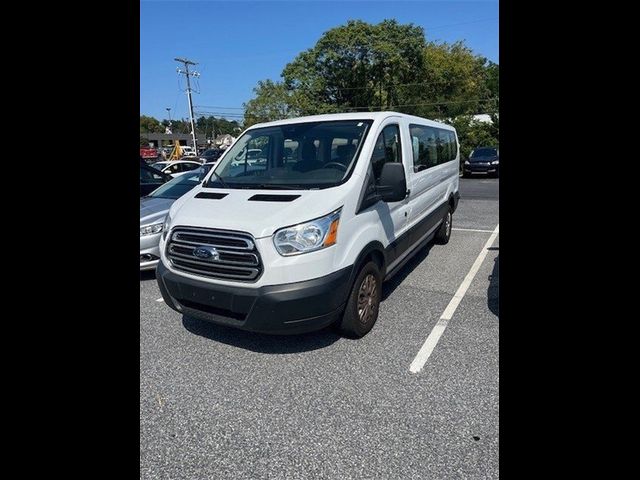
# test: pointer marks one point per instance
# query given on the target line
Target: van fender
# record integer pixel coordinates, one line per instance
(373, 250)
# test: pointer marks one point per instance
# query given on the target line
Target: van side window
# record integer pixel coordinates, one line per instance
(444, 150)
(387, 149)
(426, 154)
(453, 145)
(431, 146)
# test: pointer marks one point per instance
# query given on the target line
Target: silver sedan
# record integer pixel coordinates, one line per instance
(154, 209)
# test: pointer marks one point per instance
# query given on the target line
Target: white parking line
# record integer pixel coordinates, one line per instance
(160, 299)
(471, 230)
(439, 328)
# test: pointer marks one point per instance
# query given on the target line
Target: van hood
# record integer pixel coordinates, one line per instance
(260, 217)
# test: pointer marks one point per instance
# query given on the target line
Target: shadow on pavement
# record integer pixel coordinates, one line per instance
(259, 342)
(389, 287)
(493, 292)
(147, 275)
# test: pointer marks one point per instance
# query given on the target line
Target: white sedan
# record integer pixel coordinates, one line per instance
(177, 167)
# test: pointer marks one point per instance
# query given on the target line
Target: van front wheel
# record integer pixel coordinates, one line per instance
(362, 307)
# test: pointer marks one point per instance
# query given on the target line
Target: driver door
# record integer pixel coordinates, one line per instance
(393, 215)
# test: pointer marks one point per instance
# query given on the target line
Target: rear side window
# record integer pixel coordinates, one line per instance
(186, 167)
(174, 168)
(431, 146)
(387, 149)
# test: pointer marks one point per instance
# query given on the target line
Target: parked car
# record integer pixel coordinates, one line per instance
(210, 155)
(176, 168)
(188, 151)
(290, 247)
(150, 178)
(483, 160)
(154, 208)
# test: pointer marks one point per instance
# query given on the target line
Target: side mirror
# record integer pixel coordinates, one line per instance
(393, 183)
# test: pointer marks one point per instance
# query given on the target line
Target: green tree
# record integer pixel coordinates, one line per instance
(453, 82)
(474, 133)
(150, 125)
(366, 67)
(224, 126)
(273, 101)
(356, 66)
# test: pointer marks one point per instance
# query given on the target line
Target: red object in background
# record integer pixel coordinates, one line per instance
(149, 152)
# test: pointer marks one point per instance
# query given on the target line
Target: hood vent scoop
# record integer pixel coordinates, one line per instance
(273, 198)
(211, 195)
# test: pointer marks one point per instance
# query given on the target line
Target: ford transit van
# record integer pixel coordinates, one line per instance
(304, 236)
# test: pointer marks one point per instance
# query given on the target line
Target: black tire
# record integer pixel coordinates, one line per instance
(361, 312)
(444, 232)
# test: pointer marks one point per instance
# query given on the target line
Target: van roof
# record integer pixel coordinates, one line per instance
(352, 116)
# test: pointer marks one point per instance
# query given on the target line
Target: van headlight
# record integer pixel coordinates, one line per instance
(309, 236)
(466, 162)
(495, 162)
(150, 229)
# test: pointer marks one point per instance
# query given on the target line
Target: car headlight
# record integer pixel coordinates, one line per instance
(151, 229)
(466, 162)
(309, 236)
(166, 227)
(495, 162)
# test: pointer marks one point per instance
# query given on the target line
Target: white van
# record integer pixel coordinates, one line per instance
(306, 237)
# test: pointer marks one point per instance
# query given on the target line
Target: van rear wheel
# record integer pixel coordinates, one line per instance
(362, 307)
(444, 232)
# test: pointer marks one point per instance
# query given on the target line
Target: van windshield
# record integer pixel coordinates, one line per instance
(292, 156)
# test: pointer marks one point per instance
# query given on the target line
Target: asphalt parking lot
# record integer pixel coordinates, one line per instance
(221, 403)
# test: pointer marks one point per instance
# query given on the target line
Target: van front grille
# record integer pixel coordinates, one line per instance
(223, 254)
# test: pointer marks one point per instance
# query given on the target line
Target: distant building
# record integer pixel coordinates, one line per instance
(157, 140)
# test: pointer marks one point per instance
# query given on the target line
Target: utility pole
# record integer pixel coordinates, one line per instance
(189, 74)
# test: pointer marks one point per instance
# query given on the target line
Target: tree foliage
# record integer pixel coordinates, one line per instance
(473, 133)
(212, 127)
(150, 125)
(204, 125)
(272, 101)
(385, 66)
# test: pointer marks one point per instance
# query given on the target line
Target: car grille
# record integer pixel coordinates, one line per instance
(238, 256)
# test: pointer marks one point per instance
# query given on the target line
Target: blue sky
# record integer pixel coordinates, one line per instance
(237, 43)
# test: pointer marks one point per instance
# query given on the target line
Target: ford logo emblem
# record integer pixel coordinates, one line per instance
(206, 253)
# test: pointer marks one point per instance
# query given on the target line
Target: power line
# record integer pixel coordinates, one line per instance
(222, 108)
(430, 104)
(424, 104)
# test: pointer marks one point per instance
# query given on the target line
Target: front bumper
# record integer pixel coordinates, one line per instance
(486, 169)
(279, 309)
(149, 251)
